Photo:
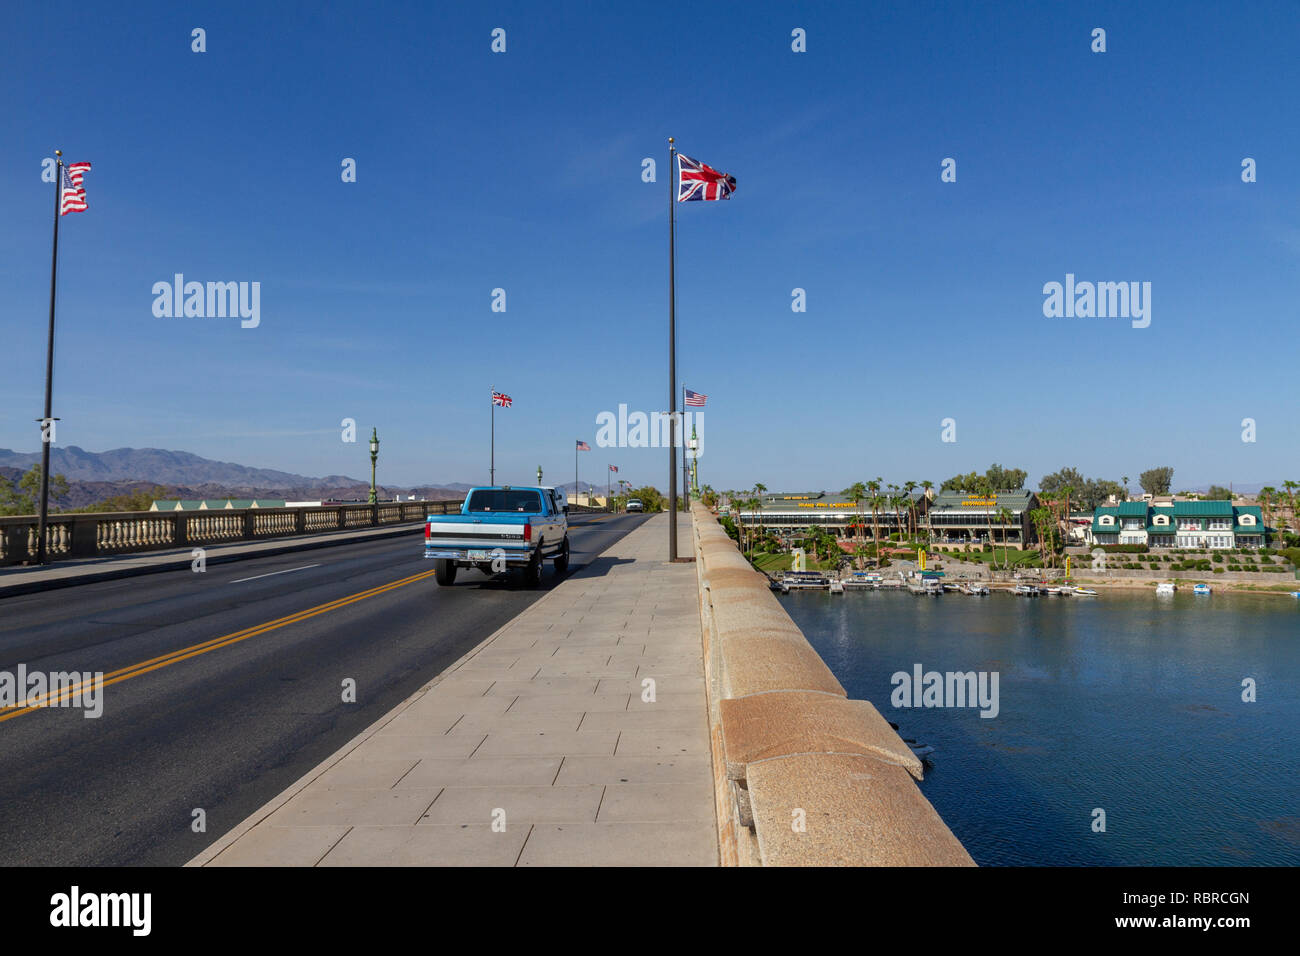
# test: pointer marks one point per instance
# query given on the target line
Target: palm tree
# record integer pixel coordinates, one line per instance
(908, 488)
(855, 493)
(929, 527)
(1266, 503)
(1067, 489)
(877, 502)
(1126, 487)
(759, 490)
(1004, 518)
(1291, 487)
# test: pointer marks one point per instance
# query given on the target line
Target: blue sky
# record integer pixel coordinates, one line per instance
(522, 171)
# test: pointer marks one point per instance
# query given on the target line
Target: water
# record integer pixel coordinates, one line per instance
(1125, 702)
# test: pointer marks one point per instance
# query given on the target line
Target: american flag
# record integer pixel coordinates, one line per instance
(502, 399)
(583, 446)
(614, 469)
(695, 398)
(699, 182)
(73, 193)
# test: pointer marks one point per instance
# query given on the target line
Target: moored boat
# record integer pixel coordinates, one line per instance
(837, 586)
(1026, 590)
(1084, 592)
(1166, 587)
(1201, 589)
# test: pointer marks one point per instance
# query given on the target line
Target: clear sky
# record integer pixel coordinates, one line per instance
(523, 171)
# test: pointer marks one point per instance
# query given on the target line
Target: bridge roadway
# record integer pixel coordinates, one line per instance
(193, 722)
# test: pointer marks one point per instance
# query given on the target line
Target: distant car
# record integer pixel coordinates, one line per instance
(634, 504)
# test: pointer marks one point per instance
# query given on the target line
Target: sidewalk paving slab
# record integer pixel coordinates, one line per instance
(538, 748)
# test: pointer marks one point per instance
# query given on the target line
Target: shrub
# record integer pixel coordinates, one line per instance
(1155, 566)
(1218, 558)
(1218, 570)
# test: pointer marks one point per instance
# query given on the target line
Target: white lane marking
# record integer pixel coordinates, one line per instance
(274, 573)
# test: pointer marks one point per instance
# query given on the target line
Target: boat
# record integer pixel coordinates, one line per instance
(1026, 590)
(837, 586)
(1166, 588)
(796, 580)
(1052, 590)
(863, 579)
(1084, 592)
(1201, 589)
(978, 590)
(1295, 594)
(925, 584)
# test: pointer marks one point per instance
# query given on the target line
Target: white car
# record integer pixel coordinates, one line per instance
(634, 504)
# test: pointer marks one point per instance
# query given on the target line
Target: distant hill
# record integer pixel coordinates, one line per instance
(163, 467)
(97, 476)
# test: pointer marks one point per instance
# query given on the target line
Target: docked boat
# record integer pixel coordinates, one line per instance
(978, 590)
(1052, 590)
(925, 584)
(1026, 590)
(837, 586)
(1166, 588)
(863, 579)
(1201, 589)
(1084, 592)
(800, 580)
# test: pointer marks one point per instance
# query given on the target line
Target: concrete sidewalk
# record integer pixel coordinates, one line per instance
(19, 579)
(536, 749)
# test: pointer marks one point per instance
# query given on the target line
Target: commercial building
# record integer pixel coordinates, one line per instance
(1181, 524)
(957, 517)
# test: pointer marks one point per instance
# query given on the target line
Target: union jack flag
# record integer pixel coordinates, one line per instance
(583, 446)
(699, 182)
(73, 194)
(695, 398)
(502, 399)
(614, 469)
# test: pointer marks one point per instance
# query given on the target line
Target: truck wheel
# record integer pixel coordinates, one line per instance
(444, 571)
(533, 571)
(562, 559)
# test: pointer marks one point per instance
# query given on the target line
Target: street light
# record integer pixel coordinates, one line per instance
(374, 457)
(539, 476)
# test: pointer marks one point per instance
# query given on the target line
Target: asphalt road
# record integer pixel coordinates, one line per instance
(230, 726)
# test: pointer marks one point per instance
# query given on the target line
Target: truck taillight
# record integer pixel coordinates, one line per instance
(528, 531)
(428, 532)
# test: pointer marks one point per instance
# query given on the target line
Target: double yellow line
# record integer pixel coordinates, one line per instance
(194, 650)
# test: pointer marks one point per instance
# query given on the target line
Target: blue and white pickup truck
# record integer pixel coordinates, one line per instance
(500, 528)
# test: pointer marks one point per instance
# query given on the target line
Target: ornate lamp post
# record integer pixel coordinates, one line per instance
(539, 476)
(374, 457)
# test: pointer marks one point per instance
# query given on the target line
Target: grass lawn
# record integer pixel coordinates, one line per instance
(1016, 558)
(781, 562)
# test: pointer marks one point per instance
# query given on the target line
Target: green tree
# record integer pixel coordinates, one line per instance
(1157, 481)
(1218, 493)
(24, 498)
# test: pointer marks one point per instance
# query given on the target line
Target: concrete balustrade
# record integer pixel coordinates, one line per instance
(100, 534)
(803, 775)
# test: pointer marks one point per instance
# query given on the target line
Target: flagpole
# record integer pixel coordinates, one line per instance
(686, 483)
(492, 465)
(672, 352)
(49, 372)
(575, 472)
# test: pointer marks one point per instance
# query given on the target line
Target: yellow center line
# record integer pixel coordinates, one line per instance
(194, 650)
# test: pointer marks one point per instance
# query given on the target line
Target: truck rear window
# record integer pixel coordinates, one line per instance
(529, 502)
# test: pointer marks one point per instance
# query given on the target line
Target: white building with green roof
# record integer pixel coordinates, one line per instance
(1181, 524)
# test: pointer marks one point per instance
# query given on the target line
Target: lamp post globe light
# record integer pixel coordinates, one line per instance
(539, 476)
(374, 457)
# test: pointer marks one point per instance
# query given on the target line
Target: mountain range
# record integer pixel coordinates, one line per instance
(96, 476)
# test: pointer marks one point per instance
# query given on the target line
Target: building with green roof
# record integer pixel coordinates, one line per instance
(1181, 524)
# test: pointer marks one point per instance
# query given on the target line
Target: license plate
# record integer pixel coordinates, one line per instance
(480, 556)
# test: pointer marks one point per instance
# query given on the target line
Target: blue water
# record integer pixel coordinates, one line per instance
(1125, 702)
